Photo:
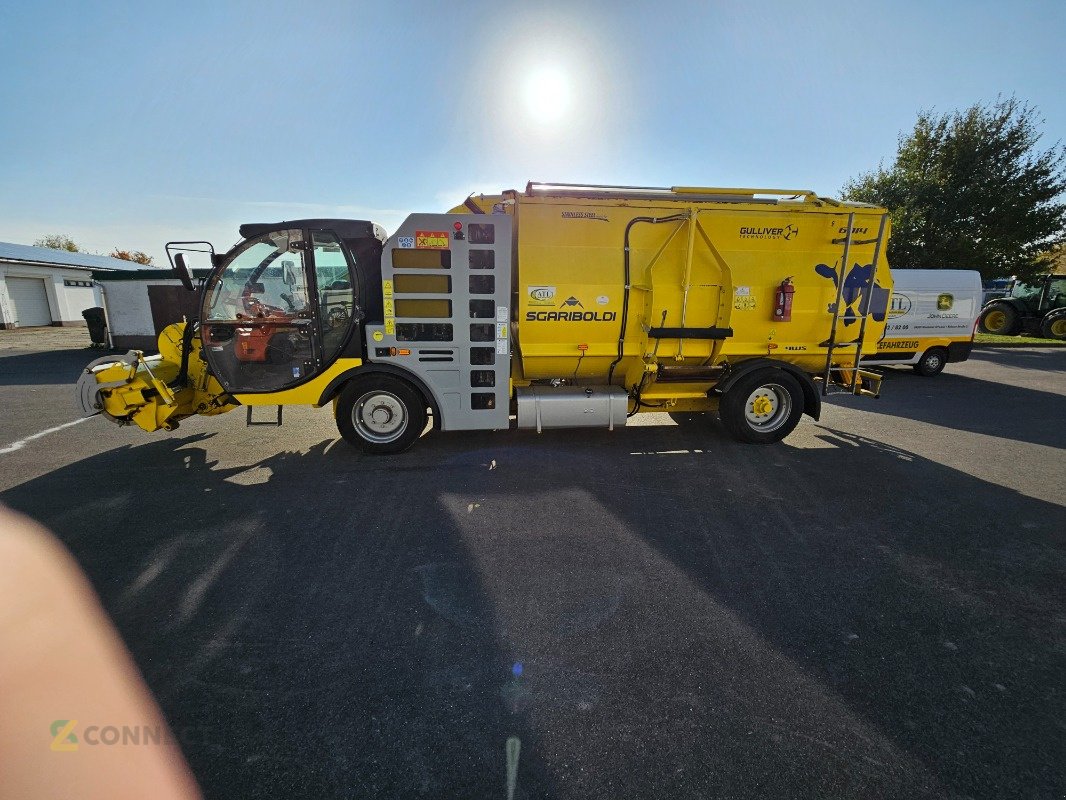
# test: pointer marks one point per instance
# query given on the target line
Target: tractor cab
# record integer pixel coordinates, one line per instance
(288, 300)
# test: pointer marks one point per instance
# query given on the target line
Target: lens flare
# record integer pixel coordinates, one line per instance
(548, 95)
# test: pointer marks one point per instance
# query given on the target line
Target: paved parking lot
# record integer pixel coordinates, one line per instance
(873, 608)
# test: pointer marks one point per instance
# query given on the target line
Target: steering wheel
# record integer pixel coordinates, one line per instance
(257, 308)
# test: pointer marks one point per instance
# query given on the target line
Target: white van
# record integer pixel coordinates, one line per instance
(931, 319)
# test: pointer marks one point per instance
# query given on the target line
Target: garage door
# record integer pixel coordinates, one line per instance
(29, 301)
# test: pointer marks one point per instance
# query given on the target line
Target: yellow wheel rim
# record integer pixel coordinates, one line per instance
(995, 321)
(1058, 328)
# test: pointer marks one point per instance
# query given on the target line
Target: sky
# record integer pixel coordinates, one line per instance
(131, 124)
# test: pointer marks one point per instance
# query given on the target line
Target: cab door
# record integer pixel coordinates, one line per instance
(272, 320)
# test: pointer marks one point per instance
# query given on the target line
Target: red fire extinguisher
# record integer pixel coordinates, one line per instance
(783, 301)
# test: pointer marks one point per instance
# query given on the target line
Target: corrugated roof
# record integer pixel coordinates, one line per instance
(47, 256)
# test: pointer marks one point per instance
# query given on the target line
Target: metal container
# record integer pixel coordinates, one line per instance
(542, 407)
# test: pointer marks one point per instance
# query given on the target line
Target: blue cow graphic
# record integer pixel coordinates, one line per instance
(856, 283)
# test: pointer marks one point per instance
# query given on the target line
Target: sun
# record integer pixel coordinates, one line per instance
(548, 95)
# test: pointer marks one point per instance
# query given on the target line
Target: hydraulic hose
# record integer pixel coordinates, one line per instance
(625, 291)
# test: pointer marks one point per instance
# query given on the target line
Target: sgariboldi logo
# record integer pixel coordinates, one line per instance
(788, 232)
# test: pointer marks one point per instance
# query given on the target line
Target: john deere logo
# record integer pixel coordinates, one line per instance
(899, 306)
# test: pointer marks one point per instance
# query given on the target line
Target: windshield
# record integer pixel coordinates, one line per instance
(1024, 291)
(265, 278)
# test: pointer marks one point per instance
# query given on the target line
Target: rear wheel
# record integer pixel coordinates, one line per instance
(999, 319)
(1054, 327)
(932, 362)
(762, 407)
(381, 414)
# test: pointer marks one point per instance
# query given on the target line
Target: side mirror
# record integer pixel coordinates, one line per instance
(181, 269)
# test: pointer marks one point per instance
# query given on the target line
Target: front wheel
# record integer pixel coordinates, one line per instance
(762, 407)
(932, 362)
(381, 414)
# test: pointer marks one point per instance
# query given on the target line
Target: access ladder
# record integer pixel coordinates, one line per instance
(851, 378)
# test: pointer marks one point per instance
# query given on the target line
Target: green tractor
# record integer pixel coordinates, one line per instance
(1036, 308)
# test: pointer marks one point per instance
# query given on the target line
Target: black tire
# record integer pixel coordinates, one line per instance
(743, 414)
(1053, 326)
(932, 362)
(1003, 318)
(368, 407)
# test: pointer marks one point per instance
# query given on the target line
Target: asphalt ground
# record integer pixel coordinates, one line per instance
(874, 607)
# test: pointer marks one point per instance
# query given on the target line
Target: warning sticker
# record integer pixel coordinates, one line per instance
(744, 303)
(390, 326)
(431, 240)
(378, 336)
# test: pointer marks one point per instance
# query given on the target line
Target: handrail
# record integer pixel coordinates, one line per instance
(724, 190)
(535, 186)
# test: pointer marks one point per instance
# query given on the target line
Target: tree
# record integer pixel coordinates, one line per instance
(135, 256)
(972, 190)
(57, 241)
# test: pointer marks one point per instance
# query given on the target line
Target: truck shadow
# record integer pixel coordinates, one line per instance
(652, 612)
(959, 402)
(282, 614)
(1047, 359)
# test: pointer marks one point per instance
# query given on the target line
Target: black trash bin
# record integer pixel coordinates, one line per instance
(94, 318)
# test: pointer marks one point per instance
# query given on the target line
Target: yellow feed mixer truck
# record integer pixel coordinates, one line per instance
(557, 306)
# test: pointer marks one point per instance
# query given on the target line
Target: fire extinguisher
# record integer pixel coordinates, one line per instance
(783, 301)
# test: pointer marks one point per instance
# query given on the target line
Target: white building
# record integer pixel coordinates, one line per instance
(41, 286)
(141, 302)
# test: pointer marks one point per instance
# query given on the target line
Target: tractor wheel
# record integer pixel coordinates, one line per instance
(381, 414)
(932, 362)
(1000, 319)
(1053, 326)
(762, 407)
